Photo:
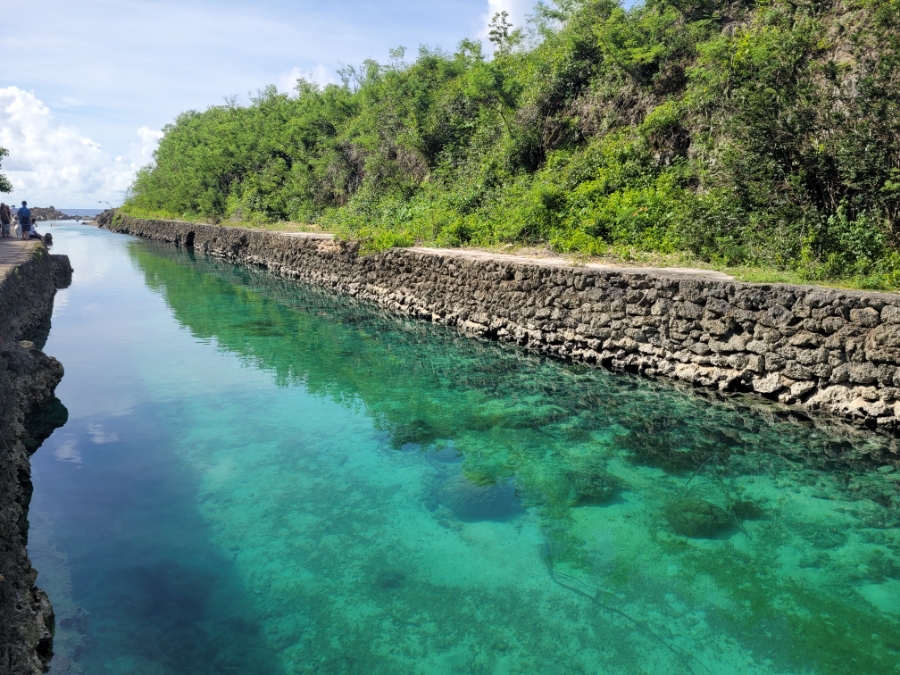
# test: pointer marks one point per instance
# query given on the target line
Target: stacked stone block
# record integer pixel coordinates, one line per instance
(821, 349)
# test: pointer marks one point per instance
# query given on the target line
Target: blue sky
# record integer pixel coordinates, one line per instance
(86, 86)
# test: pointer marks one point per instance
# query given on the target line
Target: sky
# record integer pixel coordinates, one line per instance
(86, 87)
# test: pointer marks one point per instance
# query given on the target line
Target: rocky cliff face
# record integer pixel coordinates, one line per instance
(105, 218)
(28, 378)
(820, 349)
(51, 213)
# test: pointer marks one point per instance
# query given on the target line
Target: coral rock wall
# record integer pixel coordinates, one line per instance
(824, 350)
(28, 378)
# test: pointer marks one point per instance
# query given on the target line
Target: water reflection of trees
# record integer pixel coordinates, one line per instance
(425, 383)
(561, 432)
(510, 413)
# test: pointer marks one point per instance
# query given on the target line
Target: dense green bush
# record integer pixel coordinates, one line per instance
(746, 132)
(5, 185)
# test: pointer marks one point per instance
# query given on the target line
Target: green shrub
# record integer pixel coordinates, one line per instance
(741, 132)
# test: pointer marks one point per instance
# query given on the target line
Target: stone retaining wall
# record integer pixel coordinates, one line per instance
(28, 378)
(820, 349)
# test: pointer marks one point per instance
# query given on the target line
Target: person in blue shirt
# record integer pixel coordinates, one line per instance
(25, 220)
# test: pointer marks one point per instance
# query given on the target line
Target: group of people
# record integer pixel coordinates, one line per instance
(17, 223)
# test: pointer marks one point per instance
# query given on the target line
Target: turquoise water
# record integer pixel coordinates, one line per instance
(260, 477)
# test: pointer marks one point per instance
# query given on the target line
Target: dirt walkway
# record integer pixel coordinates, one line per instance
(544, 261)
(472, 254)
(14, 252)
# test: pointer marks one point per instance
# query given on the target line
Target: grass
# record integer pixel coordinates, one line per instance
(253, 224)
(618, 256)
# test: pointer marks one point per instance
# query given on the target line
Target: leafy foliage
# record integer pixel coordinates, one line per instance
(747, 132)
(5, 185)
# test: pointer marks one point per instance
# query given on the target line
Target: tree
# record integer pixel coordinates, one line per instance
(502, 34)
(5, 185)
(727, 129)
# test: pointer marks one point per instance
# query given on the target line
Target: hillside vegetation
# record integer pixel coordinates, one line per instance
(751, 132)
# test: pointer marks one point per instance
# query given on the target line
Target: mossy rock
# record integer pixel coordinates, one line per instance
(589, 483)
(416, 431)
(693, 517)
(745, 509)
(592, 488)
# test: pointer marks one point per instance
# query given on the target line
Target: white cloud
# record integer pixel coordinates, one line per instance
(52, 163)
(518, 11)
(177, 59)
(67, 451)
(142, 153)
(320, 74)
(101, 437)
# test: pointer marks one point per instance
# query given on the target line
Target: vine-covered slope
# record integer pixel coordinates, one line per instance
(744, 132)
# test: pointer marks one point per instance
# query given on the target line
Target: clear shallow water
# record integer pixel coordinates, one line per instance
(259, 477)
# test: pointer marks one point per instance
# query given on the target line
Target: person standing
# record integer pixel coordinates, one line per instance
(25, 220)
(5, 220)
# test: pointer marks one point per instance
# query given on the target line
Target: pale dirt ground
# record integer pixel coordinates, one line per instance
(14, 252)
(553, 260)
(545, 259)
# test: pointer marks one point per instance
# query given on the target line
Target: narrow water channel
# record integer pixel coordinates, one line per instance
(261, 477)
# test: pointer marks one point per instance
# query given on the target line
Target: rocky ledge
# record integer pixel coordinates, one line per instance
(51, 213)
(29, 413)
(822, 350)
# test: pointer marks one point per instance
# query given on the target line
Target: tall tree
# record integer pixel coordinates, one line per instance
(5, 185)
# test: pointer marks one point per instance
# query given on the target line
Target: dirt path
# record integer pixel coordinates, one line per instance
(14, 252)
(550, 260)
(554, 261)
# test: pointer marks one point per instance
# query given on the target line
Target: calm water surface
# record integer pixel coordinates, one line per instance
(260, 477)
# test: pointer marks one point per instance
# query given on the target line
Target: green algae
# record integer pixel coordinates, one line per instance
(802, 628)
(694, 517)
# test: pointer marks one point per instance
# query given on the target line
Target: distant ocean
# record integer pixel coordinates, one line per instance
(81, 212)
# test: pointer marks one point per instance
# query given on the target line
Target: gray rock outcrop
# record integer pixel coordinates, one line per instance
(47, 213)
(28, 378)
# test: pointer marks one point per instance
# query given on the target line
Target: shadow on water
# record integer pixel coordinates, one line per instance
(40, 422)
(149, 595)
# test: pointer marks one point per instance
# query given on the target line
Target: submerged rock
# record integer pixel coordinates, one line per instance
(389, 579)
(745, 509)
(416, 431)
(471, 502)
(694, 517)
(590, 483)
(448, 454)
